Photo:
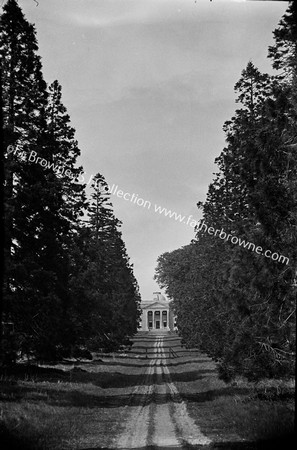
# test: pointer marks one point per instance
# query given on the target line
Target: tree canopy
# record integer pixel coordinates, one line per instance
(236, 304)
(68, 282)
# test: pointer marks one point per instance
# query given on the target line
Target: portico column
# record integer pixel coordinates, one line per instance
(149, 318)
(144, 321)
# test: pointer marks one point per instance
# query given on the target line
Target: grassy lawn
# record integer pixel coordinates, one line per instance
(237, 411)
(84, 406)
(53, 409)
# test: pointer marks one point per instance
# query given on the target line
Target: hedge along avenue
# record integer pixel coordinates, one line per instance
(242, 243)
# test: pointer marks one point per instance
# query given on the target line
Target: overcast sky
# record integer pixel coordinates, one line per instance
(148, 85)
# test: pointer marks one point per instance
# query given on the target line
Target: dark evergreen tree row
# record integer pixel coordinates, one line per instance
(235, 304)
(67, 281)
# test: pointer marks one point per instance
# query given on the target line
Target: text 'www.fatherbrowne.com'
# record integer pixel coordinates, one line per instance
(61, 170)
(198, 225)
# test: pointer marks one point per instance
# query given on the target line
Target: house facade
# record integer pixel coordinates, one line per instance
(157, 314)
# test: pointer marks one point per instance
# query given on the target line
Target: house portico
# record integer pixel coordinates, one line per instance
(156, 314)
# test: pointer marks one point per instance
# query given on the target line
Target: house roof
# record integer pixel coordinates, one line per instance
(154, 305)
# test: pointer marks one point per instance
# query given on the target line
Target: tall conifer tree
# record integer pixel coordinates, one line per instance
(248, 300)
(43, 196)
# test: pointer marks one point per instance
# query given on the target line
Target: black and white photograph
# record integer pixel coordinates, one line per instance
(149, 224)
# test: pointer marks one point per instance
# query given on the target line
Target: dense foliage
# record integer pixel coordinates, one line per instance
(68, 282)
(236, 304)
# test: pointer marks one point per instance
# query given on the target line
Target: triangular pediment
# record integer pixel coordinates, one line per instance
(156, 305)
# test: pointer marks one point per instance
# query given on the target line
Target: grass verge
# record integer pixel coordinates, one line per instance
(45, 411)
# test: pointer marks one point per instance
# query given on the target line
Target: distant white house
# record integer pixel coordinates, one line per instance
(157, 314)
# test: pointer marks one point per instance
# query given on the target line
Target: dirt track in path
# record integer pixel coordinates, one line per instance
(161, 420)
(157, 395)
